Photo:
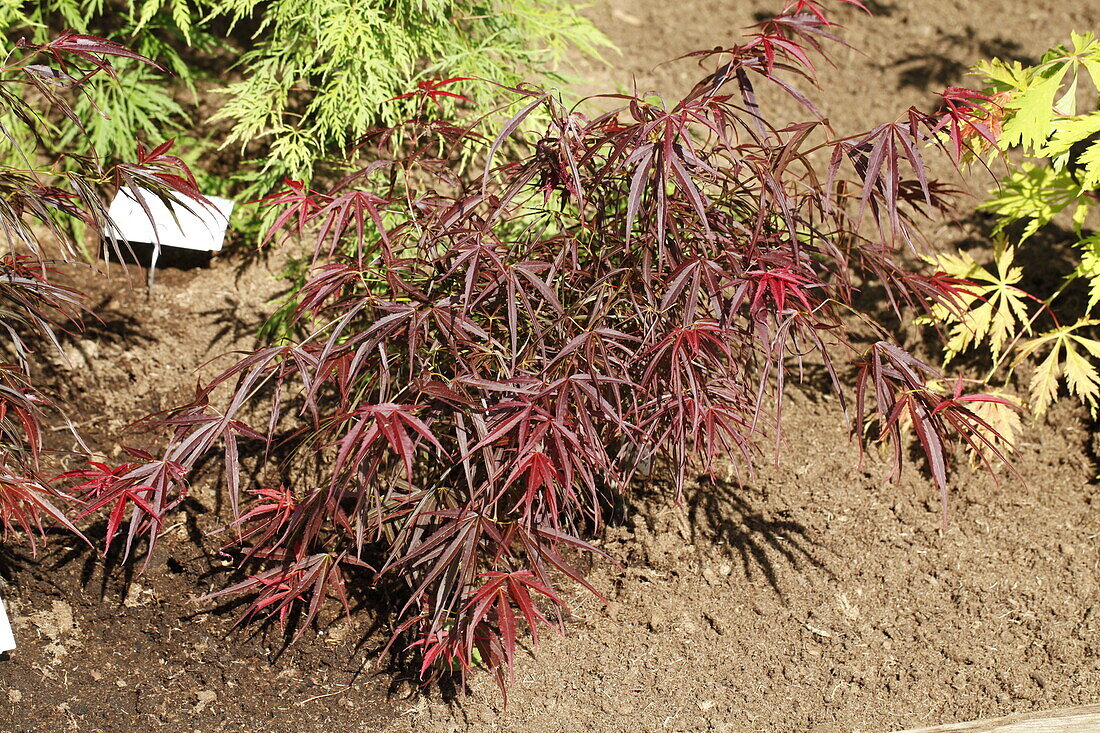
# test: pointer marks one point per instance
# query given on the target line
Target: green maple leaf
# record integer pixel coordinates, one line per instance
(1068, 132)
(1090, 161)
(1070, 357)
(1090, 268)
(1003, 77)
(1041, 97)
(1086, 51)
(1033, 106)
(1005, 420)
(1043, 120)
(1036, 193)
(994, 307)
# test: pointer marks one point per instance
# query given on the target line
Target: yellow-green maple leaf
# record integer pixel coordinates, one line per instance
(1068, 132)
(1035, 193)
(1041, 96)
(1002, 76)
(1072, 132)
(1005, 423)
(993, 309)
(1090, 267)
(1086, 54)
(1033, 110)
(1065, 359)
(1089, 160)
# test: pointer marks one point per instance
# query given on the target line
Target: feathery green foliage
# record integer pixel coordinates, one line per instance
(308, 77)
(325, 72)
(140, 105)
(1048, 114)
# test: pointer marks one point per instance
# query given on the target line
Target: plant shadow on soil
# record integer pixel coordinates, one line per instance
(199, 555)
(728, 517)
(369, 611)
(931, 68)
(758, 537)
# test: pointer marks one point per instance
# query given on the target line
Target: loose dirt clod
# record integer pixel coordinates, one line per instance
(204, 697)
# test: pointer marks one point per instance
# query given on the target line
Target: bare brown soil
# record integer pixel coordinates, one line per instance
(109, 649)
(815, 597)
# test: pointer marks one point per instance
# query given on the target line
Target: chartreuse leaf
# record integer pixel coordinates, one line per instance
(1075, 143)
(1067, 133)
(1004, 419)
(1033, 108)
(1070, 356)
(994, 308)
(1084, 46)
(1039, 97)
(1002, 76)
(1033, 193)
(1086, 53)
(1043, 120)
(1089, 160)
(1090, 268)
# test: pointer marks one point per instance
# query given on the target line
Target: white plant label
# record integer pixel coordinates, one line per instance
(187, 224)
(7, 639)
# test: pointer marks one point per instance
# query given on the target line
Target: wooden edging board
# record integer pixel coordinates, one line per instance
(1084, 719)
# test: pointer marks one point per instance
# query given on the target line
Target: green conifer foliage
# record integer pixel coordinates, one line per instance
(307, 78)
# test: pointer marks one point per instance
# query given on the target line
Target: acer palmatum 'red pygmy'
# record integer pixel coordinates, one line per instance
(39, 199)
(479, 367)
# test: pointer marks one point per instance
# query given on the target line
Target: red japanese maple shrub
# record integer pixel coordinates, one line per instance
(37, 87)
(482, 366)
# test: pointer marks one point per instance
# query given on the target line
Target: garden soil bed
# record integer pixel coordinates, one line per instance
(814, 597)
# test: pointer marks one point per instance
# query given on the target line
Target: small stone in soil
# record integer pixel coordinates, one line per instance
(205, 697)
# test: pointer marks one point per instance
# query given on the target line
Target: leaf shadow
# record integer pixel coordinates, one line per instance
(931, 68)
(235, 322)
(725, 512)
